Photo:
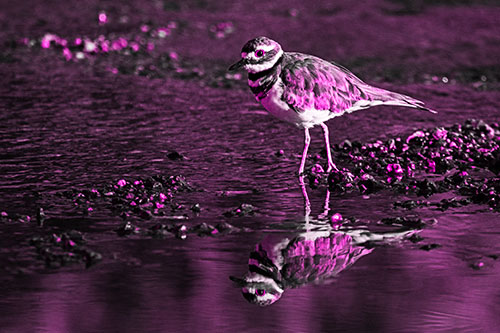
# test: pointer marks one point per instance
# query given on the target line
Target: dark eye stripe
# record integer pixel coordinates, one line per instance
(267, 56)
(270, 54)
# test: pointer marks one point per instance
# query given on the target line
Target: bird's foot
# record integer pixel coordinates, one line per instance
(307, 203)
(301, 176)
(332, 166)
(301, 179)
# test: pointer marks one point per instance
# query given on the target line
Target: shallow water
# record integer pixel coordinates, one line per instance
(67, 125)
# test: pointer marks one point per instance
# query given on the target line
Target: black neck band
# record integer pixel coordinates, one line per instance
(258, 75)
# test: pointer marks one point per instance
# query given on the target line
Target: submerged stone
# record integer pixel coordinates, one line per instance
(144, 198)
(204, 229)
(60, 249)
(429, 247)
(410, 222)
(175, 156)
(226, 228)
(415, 238)
(477, 265)
(196, 208)
(280, 153)
(160, 231)
(40, 216)
(411, 204)
(242, 210)
(127, 229)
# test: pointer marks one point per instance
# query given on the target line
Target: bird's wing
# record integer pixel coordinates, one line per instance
(311, 82)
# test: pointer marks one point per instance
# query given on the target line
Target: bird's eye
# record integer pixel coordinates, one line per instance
(259, 53)
(260, 292)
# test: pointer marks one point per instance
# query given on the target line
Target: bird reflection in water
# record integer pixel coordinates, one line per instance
(314, 255)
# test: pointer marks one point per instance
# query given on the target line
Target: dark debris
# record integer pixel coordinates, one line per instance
(409, 222)
(142, 198)
(61, 249)
(452, 155)
(429, 247)
(162, 230)
(242, 210)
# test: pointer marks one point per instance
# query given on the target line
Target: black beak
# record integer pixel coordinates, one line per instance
(237, 65)
(238, 281)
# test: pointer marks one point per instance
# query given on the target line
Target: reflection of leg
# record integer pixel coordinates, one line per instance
(307, 212)
(326, 205)
(304, 153)
(331, 165)
(307, 203)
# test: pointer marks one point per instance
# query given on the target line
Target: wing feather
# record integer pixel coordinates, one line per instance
(311, 82)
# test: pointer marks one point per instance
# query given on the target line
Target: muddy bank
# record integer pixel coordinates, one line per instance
(443, 168)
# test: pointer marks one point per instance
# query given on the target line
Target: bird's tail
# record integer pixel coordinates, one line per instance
(379, 96)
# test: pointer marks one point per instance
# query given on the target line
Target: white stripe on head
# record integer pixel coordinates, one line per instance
(258, 278)
(267, 48)
(255, 68)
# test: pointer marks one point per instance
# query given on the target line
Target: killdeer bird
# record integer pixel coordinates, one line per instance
(306, 90)
(281, 263)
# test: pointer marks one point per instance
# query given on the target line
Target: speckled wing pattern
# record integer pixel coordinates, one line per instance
(306, 261)
(311, 82)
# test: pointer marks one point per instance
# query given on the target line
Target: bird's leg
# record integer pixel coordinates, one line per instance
(307, 141)
(307, 218)
(331, 165)
(326, 206)
(307, 203)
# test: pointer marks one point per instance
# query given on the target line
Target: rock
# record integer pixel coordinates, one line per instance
(242, 210)
(175, 156)
(196, 208)
(40, 217)
(127, 229)
(429, 247)
(410, 222)
(60, 249)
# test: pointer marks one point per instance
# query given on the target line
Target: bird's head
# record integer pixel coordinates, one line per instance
(258, 289)
(258, 54)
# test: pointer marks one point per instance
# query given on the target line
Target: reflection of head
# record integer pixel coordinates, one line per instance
(279, 263)
(276, 266)
(262, 285)
(258, 289)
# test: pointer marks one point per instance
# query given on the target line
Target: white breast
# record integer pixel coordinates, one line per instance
(277, 107)
(274, 103)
